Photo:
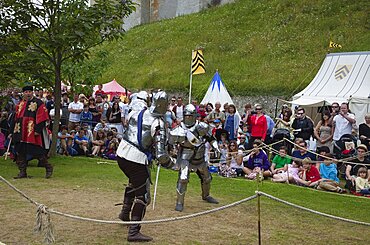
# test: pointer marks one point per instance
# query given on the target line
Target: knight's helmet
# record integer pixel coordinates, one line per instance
(159, 103)
(190, 115)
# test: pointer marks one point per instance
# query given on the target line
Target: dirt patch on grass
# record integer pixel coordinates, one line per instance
(237, 225)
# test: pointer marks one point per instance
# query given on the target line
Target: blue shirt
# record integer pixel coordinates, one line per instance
(297, 154)
(329, 171)
(259, 160)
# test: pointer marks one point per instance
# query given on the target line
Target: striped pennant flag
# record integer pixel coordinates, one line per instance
(334, 45)
(197, 62)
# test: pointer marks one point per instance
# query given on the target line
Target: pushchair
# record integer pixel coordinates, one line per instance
(279, 134)
(345, 146)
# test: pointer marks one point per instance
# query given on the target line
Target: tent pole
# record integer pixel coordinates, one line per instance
(276, 107)
(191, 76)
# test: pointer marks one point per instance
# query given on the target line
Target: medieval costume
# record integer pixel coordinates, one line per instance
(30, 135)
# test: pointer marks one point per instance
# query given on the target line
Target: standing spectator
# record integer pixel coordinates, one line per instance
(342, 123)
(209, 108)
(270, 127)
(247, 112)
(216, 114)
(99, 91)
(284, 122)
(172, 103)
(94, 111)
(75, 108)
(258, 125)
(49, 102)
(4, 124)
(170, 117)
(302, 125)
(232, 123)
(114, 116)
(334, 111)
(201, 113)
(105, 106)
(226, 109)
(82, 98)
(323, 131)
(29, 131)
(364, 131)
(284, 108)
(243, 142)
(178, 110)
(86, 116)
(64, 116)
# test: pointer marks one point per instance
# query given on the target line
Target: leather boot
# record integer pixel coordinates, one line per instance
(22, 166)
(22, 174)
(128, 201)
(49, 170)
(205, 193)
(134, 234)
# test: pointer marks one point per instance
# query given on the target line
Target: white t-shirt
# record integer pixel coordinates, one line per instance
(75, 117)
(179, 112)
(342, 126)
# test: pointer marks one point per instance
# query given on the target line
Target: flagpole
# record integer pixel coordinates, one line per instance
(191, 76)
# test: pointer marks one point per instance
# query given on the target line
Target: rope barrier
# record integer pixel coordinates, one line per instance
(313, 211)
(48, 227)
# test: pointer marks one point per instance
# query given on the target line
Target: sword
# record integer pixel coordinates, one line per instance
(156, 184)
(7, 151)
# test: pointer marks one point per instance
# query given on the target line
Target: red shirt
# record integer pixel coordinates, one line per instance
(313, 174)
(258, 126)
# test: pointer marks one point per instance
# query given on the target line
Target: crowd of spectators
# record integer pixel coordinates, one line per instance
(93, 126)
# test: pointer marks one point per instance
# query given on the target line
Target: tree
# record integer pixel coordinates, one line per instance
(53, 32)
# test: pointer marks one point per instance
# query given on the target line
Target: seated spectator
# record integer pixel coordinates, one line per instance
(362, 182)
(2, 143)
(288, 174)
(258, 162)
(310, 176)
(329, 175)
(233, 166)
(115, 117)
(111, 149)
(64, 142)
(352, 168)
(98, 143)
(102, 125)
(81, 143)
(302, 152)
(86, 116)
(280, 161)
(243, 142)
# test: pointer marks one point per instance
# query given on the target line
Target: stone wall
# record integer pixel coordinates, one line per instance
(148, 11)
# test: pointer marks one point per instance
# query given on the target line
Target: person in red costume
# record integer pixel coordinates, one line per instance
(29, 133)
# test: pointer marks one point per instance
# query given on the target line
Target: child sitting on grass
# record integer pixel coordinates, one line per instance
(288, 174)
(280, 161)
(329, 175)
(362, 183)
(310, 176)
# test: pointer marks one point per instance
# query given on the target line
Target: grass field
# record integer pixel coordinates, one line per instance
(259, 47)
(89, 187)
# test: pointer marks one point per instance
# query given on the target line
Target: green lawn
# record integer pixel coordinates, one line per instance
(83, 187)
(259, 47)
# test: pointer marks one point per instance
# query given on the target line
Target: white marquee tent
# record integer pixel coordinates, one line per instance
(343, 77)
(217, 92)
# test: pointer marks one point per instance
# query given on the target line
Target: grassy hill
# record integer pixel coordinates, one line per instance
(259, 47)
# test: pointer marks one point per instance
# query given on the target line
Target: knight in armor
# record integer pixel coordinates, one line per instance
(144, 140)
(29, 133)
(191, 137)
